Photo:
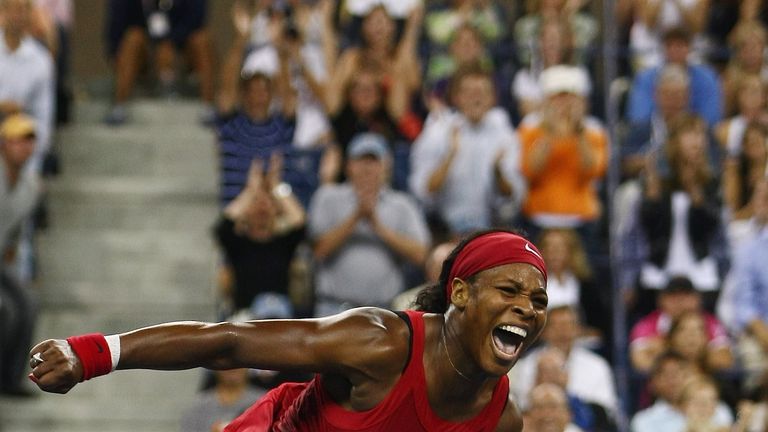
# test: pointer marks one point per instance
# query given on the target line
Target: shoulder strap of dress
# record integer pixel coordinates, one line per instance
(494, 410)
(404, 316)
(417, 337)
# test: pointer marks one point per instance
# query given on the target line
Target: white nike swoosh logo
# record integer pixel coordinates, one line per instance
(530, 249)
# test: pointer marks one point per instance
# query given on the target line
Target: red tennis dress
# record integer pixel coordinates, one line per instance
(304, 407)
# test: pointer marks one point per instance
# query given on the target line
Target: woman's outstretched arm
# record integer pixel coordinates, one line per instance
(324, 345)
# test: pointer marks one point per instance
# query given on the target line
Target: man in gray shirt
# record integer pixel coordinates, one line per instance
(363, 232)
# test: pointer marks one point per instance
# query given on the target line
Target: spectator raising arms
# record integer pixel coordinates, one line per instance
(373, 85)
(246, 127)
(365, 109)
(393, 62)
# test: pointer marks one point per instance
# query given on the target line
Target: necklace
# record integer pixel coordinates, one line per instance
(442, 333)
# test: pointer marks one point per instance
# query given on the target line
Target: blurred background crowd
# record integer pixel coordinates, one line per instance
(358, 140)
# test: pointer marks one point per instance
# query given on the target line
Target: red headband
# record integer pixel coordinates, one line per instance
(492, 250)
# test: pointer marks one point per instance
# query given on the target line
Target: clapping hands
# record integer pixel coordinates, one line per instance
(261, 178)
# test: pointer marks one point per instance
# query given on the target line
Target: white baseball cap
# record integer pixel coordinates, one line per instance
(263, 61)
(564, 79)
(395, 8)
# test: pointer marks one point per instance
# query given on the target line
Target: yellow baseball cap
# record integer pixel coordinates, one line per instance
(17, 126)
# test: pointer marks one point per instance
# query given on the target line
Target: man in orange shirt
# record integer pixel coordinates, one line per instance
(564, 153)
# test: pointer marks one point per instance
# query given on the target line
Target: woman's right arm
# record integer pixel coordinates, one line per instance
(323, 345)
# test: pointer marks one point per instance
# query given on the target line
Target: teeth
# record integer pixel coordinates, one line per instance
(514, 329)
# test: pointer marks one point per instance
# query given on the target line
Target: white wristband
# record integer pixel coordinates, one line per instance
(113, 341)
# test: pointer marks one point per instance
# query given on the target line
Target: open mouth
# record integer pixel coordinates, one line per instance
(508, 340)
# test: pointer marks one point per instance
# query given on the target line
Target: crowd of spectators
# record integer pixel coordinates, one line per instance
(356, 135)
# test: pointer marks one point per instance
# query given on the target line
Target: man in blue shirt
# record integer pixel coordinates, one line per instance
(705, 89)
(247, 127)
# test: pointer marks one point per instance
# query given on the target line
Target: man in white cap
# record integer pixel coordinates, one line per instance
(564, 152)
(363, 232)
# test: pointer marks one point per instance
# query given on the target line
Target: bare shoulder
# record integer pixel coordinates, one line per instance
(372, 318)
(511, 418)
(377, 340)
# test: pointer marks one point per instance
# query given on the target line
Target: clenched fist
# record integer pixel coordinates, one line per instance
(55, 367)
